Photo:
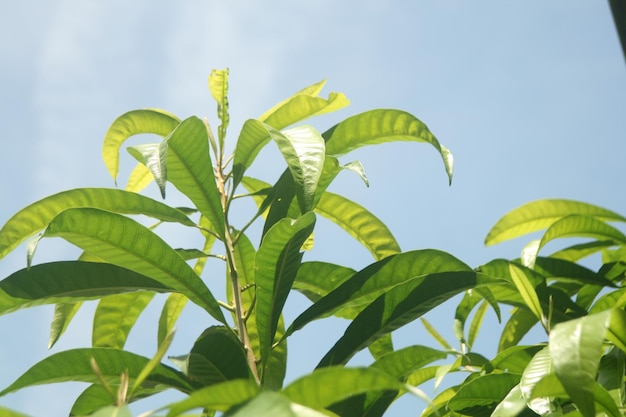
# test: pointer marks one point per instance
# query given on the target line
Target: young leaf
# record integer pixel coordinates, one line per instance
(366, 228)
(302, 105)
(139, 178)
(74, 365)
(124, 242)
(540, 214)
(70, 281)
(33, 218)
(435, 334)
(190, 169)
(276, 265)
(218, 85)
(381, 126)
(115, 316)
(154, 157)
(527, 291)
(303, 149)
(132, 123)
(172, 309)
(63, 314)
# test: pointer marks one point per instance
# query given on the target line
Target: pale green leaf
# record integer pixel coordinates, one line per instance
(139, 178)
(113, 411)
(381, 347)
(124, 242)
(190, 169)
(435, 334)
(74, 365)
(63, 315)
(5, 412)
(173, 307)
(526, 290)
(115, 316)
(303, 149)
(381, 126)
(476, 323)
(540, 214)
(154, 157)
(33, 218)
(216, 397)
(132, 123)
(276, 265)
(152, 364)
(218, 86)
(362, 225)
(576, 349)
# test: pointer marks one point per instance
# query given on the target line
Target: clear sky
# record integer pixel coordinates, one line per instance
(529, 96)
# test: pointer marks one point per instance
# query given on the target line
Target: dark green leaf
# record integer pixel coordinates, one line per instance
(487, 390)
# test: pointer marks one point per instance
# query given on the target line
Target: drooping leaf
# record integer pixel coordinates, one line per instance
(476, 323)
(218, 86)
(33, 218)
(435, 334)
(154, 157)
(139, 178)
(485, 391)
(124, 242)
(399, 306)
(217, 356)
(63, 314)
(380, 126)
(172, 309)
(74, 365)
(190, 169)
(216, 397)
(70, 281)
(540, 214)
(368, 284)
(362, 225)
(152, 364)
(115, 316)
(276, 265)
(132, 123)
(327, 386)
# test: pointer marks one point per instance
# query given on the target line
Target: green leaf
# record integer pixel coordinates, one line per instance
(512, 405)
(486, 390)
(366, 228)
(399, 306)
(172, 309)
(253, 137)
(113, 411)
(190, 169)
(124, 242)
(132, 123)
(515, 358)
(151, 365)
(575, 225)
(276, 265)
(74, 365)
(435, 334)
(63, 314)
(33, 218)
(115, 316)
(5, 412)
(402, 362)
(380, 126)
(539, 367)
(303, 149)
(526, 290)
(154, 157)
(219, 397)
(476, 323)
(302, 105)
(69, 281)
(540, 214)
(273, 404)
(576, 349)
(218, 86)
(381, 347)
(365, 286)
(217, 356)
(327, 386)
(316, 279)
(139, 178)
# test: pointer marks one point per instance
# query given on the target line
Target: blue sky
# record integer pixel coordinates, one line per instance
(529, 96)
